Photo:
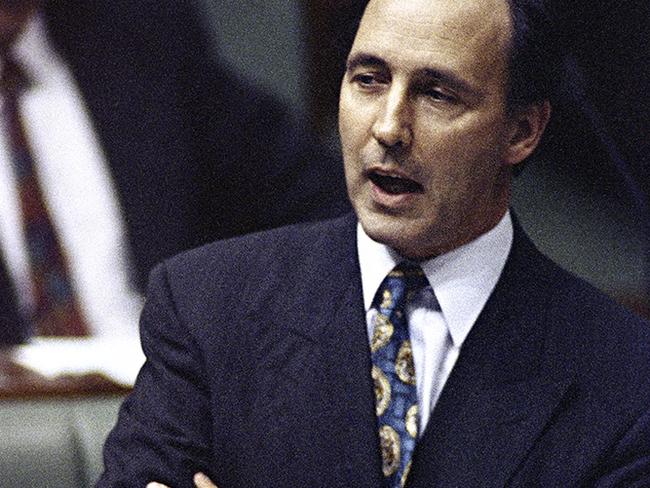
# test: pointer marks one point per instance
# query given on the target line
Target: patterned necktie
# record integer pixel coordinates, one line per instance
(56, 312)
(393, 372)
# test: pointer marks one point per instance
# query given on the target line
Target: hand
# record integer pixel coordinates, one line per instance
(200, 481)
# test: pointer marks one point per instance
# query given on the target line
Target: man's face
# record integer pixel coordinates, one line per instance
(423, 124)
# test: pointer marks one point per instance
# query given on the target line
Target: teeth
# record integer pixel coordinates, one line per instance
(395, 184)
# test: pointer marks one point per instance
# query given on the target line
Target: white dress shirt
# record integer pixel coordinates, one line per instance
(462, 281)
(77, 189)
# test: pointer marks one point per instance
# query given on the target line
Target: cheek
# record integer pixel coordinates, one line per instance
(346, 112)
(352, 138)
(465, 147)
(462, 164)
(346, 128)
(356, 116)
(350, 143)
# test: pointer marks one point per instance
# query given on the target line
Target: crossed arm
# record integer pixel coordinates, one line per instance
(200, 481)
(163, 431)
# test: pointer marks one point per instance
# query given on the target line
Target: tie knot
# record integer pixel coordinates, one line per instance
(408, 270)
(400, 284)
(13, 79)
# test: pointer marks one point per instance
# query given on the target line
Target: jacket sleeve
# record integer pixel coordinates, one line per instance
(163, 430)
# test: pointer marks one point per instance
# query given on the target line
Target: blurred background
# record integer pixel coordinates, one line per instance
(277, 66)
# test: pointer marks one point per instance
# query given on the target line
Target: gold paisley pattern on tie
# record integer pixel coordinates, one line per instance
(405, 474)
(386, 299)
(411, 421)
(404, 366)
(393, 372)
(390, 449)
(382, 333)
(382, 390)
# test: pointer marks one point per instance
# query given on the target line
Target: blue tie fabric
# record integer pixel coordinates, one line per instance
(393, 371)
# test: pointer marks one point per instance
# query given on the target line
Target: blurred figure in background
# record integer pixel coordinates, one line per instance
(122, 143)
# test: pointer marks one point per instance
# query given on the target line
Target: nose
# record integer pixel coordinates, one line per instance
(392, 127)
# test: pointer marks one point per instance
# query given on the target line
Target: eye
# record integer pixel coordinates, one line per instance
(439, 95)
(368, 79)
(435, 91)
(365, 79)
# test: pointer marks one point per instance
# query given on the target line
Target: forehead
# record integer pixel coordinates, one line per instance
(468, 37)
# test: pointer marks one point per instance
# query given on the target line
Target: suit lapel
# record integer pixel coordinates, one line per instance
(345, 355)
(502, 392)
(350, 391)
(328, 424)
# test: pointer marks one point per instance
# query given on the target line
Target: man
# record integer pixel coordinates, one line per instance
(143, 146)
(260, 370)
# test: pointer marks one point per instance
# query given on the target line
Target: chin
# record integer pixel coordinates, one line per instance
(402, 234)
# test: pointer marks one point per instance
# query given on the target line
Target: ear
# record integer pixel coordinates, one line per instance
(527, 127)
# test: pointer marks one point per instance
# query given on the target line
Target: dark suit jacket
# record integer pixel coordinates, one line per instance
(258, 374)
(195, 154)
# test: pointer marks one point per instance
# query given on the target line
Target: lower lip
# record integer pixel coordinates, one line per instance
(390, 200)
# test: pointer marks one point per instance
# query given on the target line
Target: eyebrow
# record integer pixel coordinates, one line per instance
(447, 78)
(422, 74)
(364, 59)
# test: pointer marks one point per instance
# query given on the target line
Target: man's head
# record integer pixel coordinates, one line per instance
(13, 17)
(428, 130)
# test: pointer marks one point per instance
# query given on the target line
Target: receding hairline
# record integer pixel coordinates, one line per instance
(382, 5)
(508, 28)
(500, 19)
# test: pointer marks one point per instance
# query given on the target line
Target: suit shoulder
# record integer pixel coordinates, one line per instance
(606, 345)
(586, 303)
(243, 274)
(592, 311)
(268, 251)
(562, 293)
(585, 330)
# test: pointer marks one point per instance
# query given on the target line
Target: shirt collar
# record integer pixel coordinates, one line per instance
(462, 279)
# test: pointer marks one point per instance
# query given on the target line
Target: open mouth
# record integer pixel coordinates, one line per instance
(395, 185)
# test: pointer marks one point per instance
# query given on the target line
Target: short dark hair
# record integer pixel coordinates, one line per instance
(535, 64)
